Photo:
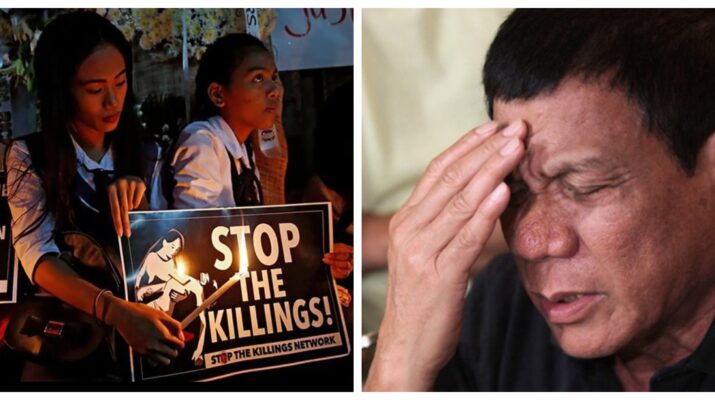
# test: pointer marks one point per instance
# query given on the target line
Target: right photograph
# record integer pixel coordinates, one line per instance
(538, 200)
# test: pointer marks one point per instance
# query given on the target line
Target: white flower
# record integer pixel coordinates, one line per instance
(127, 31)
(210, 36)
(145, 42)
(114, 14)
(200, 52)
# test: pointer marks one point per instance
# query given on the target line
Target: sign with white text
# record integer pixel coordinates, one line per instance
(248, 285)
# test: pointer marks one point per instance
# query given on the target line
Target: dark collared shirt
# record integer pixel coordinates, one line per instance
(506, 346)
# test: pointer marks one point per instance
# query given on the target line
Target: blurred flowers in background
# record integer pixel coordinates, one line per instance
(160, 32)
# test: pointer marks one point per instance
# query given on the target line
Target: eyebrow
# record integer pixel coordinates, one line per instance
(124, 71)
(566, 168)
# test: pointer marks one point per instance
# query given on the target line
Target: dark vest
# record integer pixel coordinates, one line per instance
(247, 189)
(90, 211)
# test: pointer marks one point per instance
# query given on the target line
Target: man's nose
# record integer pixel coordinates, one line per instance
(544, 230)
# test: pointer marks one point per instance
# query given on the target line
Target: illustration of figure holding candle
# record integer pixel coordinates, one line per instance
(162, 282)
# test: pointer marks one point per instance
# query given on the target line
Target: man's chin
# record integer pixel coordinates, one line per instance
(582, 342)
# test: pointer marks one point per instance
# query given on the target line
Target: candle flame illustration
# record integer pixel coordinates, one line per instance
(242, 256)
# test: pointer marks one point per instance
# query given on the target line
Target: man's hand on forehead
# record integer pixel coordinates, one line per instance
(434, 240)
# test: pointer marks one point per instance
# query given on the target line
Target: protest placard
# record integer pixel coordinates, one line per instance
(248, 285)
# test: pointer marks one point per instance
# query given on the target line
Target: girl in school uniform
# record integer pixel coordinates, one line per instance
(238, 91)
(83, 171)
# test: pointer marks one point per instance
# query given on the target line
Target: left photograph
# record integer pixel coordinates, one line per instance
(177, 199)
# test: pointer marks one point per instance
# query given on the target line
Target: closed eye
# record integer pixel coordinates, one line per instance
(581, 192)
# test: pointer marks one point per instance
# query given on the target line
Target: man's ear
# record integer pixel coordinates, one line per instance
(215, 92)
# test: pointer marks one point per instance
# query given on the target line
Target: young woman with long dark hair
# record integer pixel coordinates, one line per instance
(84, 171)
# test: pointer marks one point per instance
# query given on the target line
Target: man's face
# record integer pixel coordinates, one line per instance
(610, 235)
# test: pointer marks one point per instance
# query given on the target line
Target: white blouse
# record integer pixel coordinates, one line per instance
(202, 166)
(26, 199)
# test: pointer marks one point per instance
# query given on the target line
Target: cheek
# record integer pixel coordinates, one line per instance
(624, 243)
(244, 99)
(86, 105)
(254, 97)
(122, 94)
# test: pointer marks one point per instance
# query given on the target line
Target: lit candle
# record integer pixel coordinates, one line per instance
(181, 268)
(242, 273)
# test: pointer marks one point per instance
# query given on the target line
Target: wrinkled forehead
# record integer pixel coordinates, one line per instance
(575, 123)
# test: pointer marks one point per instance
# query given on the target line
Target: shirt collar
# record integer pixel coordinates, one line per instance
(228, 138)
(106, 163)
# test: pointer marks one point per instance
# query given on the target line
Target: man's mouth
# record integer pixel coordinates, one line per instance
(569, 307)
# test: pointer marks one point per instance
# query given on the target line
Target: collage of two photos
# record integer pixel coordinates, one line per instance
(522, 201)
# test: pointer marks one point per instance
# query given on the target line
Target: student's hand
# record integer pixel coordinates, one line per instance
(125, 194)
(340, 260)
(344, 296)
(148, 331)
(434, 240)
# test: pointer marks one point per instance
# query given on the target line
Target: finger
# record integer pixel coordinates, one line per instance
(437, 166)
(139, 193)
(343, 256)
(342, 248)
(470, 240)
(174, 328)
(465, 204)
(165, 349)
(115, 209)
(131, 188)
(337, 263)
(122, 187)
(342, 269)
(338, 256)
(158, 358)
(344, 296)
(461, 173)
(173, 342)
